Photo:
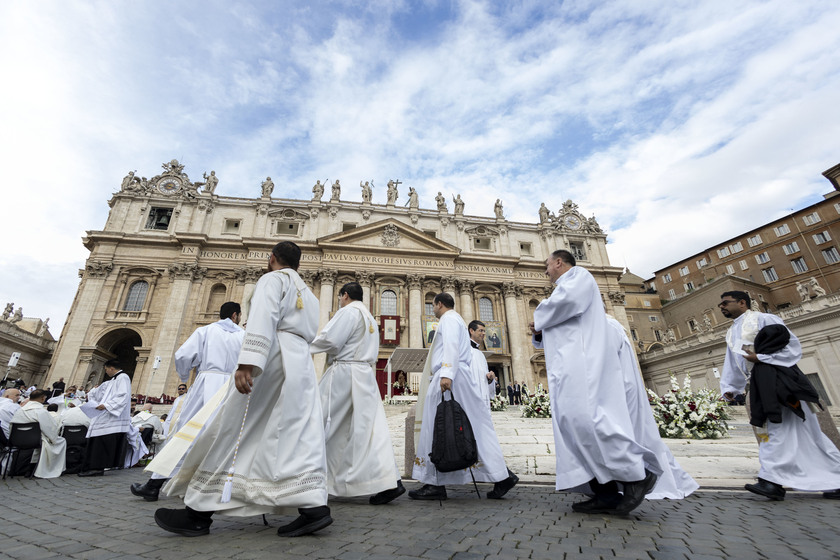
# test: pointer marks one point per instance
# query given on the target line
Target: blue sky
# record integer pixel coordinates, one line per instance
(677, 124)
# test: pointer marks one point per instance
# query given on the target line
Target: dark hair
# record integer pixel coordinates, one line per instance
(287, 253)
(37, 394)
(445, 299)
(113, 363)
(52, 407)
(352, 289)
(737, 295)
(474, 324)
(564, 256)
(228, 309)
(184, 385)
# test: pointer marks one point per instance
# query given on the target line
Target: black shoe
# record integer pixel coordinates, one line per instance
(388, 495)
(309, 521)
(635, 492)
(833, 495)
(147, 491)
(597, 505)
(428, 492)
(767, 489)
(180, 521)
(92, 473)
(503, 486)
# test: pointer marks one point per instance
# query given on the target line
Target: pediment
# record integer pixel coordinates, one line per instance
(290, 214)
(389, 236)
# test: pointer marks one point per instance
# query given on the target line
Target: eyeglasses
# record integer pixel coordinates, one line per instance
(726, 302)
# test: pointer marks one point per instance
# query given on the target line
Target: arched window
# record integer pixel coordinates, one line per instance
(217, 298)
(485, 309)
(136, 296)
(388, 304)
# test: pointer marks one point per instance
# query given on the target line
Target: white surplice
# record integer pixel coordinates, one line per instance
(73, 416)
(212, 350)
(115, 394)
(174, 413)
(480, 369)
(360, 455)
(281, 457)
(451, 356)
(674, 482)
(793, 453)
(50, 458)
(145, 419)
(593, 431)
(8, 407)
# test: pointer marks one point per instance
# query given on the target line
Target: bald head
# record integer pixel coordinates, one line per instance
(12, 394)
(147, 407)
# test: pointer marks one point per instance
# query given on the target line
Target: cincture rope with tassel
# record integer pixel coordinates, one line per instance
(228, 488)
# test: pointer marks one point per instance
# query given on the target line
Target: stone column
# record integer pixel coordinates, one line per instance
(516, 338)
(325, 300)
(447, 283)
(66, 362)
(247, 276)
(169, 333)
(365, 278)
(466, 288)
(415, 310)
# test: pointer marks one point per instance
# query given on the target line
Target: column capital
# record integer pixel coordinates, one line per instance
(465, 285)
(327, 275)
(248, 274)
(364, 277)
(186, 271)
(415, 280)
(448, 283)
(308, 276)
(511, 289)
(98, 269)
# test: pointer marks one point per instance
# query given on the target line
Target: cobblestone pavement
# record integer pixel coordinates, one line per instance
(72, 517)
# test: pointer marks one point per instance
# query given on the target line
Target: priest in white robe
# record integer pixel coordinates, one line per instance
(212, 350)
(175, 412)
(478, 331)
(109, 433)
(674, 483)
(595, 442)
(360, 455)
(264, 451)
(50, 457)
(449, 367)
(8, 406)
(793, 452)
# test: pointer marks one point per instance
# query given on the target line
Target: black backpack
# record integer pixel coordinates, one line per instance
(453, 441)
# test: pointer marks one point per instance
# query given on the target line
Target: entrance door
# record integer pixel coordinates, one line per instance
(382, 377)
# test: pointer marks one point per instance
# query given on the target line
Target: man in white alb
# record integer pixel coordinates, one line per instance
(596, 446)
(792, 450)
(175, 411)
(149, 425)
(360, 456)
(449, 367)
(264, 451)
(212, 350)
(478, 331)
(8, 406)
(50, 457)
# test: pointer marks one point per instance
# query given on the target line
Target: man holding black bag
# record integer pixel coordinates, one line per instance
(448, 367)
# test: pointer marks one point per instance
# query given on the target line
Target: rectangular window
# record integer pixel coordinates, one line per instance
(730, 269)
(782, 230)
(754, 240)
(159, 218)
(702, 262)
(232, 226)
(737, 247)
(347, 226)
(831, 255)
(430, 233)
(762, 258)
(666, 278)
(287, 228)
(658, 336)
(769, 274)
(723, 252)
(482, 243)
(633, 334)
(811, 219)
(684, 271)
(576, 249)
(646, 303)
(790, 248)
(821, 237)
(653, 318)
(837, 207)
(744, 265)
(525, 249)
(688, 286)
(672, 294)
(799, 265)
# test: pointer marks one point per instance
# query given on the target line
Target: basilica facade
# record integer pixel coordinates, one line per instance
(172, 251)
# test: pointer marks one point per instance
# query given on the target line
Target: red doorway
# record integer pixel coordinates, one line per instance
(382, 377)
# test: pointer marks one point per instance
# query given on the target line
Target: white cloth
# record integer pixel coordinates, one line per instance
(115, 394)
(360, 455)
(792, 453)
(451, 357)
(593, 431)
(674, 482)
(145, 419)
(73, 417)
(50, 457)
(480, 369)
(174, 414)
(281, 458)
(138, 449)
(8, 407)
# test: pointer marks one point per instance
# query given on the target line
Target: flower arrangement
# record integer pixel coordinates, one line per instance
(537, 405)
(498, 403)
(685, 413)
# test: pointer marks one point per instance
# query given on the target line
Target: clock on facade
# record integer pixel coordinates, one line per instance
(571, 221)
(169, 185)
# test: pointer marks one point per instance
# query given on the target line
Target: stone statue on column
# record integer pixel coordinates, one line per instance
(367, 192)
(267, 187)
(10, 307)
(804, 293)
(544, 213)
(392, 192)
(459, 205)
(210, 182)
(18, 316)
(336, 192)
(441, 202)
(43, 329)
(818, 290)
(498, 209)
(413, 199)
(317, 191)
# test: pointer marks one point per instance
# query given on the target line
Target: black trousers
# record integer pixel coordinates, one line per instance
(105, 452)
